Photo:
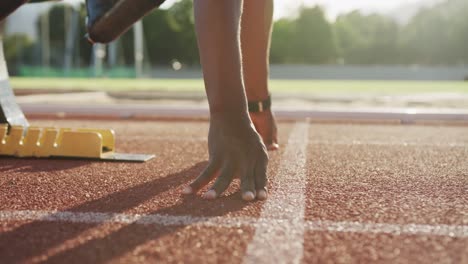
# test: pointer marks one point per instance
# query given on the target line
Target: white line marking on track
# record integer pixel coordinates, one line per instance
(387, 143)
(284, 242)
(457, 231)
(327, 142)
(460, 231)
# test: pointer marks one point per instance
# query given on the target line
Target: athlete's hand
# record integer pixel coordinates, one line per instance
(265, 124)
(236, 150)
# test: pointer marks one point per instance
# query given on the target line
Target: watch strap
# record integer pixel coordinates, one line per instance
(260, 106)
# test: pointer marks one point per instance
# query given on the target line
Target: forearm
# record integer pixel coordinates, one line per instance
(235, 147)
(257, 20)
(218, 24)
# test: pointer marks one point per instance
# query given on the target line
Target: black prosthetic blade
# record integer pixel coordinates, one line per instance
(8, 6)
(119, 19)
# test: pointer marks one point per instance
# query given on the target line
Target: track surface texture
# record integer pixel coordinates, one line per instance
(338, 194)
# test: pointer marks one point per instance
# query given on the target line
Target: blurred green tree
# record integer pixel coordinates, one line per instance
(169, 35)
(367, 39)
(19, 49)
(182, 22)
(313, 40)
(281, 51)
(437, 35)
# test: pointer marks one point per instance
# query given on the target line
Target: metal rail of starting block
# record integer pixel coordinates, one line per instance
(18, 139)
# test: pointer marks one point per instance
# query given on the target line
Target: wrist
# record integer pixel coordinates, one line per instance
(227, 109)
(258, 94)
(237, 115)
(231, 121)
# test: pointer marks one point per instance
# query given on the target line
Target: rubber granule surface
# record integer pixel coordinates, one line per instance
(374, 193)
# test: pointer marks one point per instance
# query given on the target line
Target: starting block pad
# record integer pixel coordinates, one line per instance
(35, 142)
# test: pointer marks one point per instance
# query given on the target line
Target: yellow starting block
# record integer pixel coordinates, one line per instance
(19, 141)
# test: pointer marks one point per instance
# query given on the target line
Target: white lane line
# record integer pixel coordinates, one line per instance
(459, 231)
(284, 242)
(456, 231)
(323, 142)
(119, 218)
(388, 143)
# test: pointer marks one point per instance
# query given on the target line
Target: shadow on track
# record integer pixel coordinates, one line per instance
(127, 238)
(39, 237)
(39, 165)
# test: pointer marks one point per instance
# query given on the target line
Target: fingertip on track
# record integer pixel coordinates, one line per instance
(187, 190)
(248, 196)
(262, 195)
(211, 194)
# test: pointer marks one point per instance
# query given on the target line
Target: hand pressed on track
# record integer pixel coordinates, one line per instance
(236, 150)
(265, 124)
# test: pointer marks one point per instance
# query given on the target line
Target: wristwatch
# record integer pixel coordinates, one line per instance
(260, 106)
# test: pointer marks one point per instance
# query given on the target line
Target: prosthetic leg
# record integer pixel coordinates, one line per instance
(8, 6)
(10, 112)
(108, 19)
(19, 139)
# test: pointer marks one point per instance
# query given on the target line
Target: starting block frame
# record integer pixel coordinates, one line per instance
(18, 139)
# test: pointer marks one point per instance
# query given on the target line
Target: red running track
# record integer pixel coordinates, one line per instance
(340, 193)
